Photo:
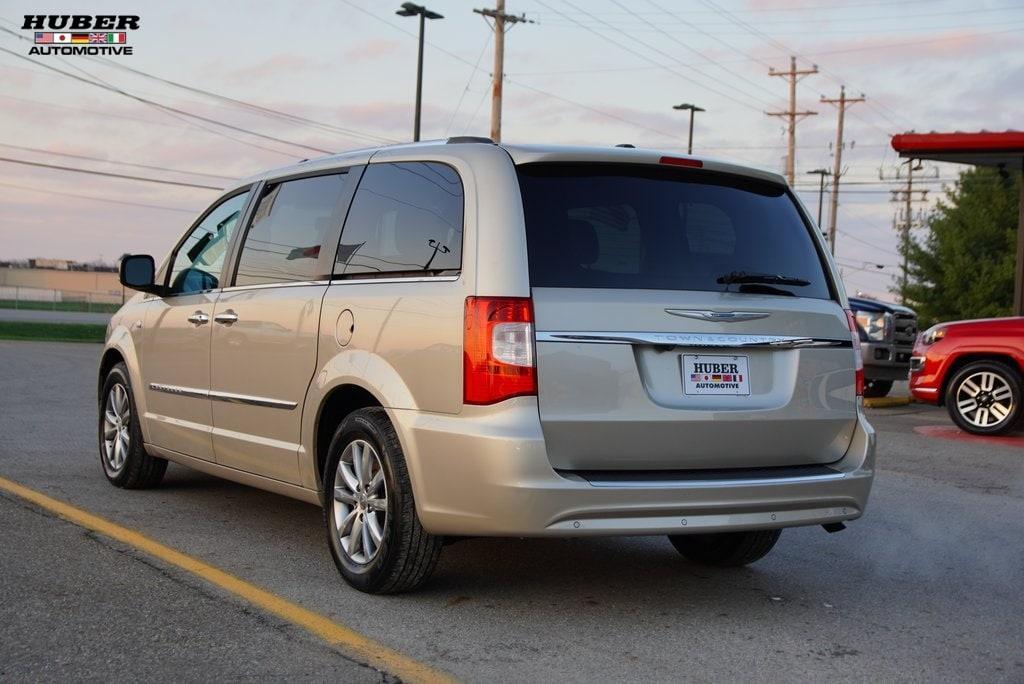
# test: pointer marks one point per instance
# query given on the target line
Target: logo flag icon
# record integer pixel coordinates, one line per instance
(47, 38)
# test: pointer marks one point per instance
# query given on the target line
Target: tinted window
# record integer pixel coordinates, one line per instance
(405, 218)
(640, 227)
(200, 258)
(288, 228)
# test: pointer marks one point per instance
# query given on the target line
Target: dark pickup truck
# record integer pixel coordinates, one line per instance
(887, 335)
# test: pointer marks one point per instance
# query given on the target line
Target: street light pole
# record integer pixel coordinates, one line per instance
(692, 108)
(821, 173)
(410, 10)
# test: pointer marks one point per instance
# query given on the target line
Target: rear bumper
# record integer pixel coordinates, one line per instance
(485, 473)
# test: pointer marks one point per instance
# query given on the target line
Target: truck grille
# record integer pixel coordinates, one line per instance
(904, 329)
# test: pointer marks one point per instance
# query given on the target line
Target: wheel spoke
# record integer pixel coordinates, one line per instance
(347, 476)
(981, 417)
(967, 405)
(357, 461)
(377, 505)
(999, 411)
(343, 528)
(375, 529)
(355, 540)
(376, 482)
(1002, 394)
(341, 494)
(108, 430)
(368, 547)
(969, 387)
(109, 415)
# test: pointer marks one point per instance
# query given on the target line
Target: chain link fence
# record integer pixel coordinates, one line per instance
(17, 297)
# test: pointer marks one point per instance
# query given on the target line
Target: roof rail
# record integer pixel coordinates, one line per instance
(629, 145)
(461, 139)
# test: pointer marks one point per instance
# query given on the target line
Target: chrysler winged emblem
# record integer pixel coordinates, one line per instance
(719, 316)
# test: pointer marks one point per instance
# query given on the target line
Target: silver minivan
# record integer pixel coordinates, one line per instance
(459, 338)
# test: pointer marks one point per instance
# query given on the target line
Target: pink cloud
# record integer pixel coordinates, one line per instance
(372, 49)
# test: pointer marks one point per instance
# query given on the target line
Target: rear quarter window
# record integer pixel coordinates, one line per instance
(644, 227)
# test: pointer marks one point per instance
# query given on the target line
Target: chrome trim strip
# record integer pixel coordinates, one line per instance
(222, 396)
(251, 400)
(721, 340)
(411, 279)
(180, 391)
(713, 484)
(719, 316)
(265, 286)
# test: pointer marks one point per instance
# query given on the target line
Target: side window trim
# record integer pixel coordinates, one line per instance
(397, 276)
(326, 259)
(169, 265)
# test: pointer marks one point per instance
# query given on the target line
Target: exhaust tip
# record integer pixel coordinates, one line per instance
(834, 527)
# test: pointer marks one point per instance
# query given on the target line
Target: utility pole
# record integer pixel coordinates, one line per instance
(792, 114)
(841, 103)
(693, 108)
(905, 220)
(821, 173)
(410, 9)
(502, 23)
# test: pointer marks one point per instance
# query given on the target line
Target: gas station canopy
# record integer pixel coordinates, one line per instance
(1004, 150)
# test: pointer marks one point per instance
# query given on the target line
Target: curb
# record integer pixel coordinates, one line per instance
(887, 402)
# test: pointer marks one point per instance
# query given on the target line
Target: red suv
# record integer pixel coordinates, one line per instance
(975, 369)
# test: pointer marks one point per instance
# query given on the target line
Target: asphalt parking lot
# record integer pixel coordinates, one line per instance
(926, 586)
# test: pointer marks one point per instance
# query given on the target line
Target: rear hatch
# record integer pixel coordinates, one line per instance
(684, 321)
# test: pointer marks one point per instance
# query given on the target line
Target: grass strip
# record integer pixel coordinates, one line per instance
(52, 332)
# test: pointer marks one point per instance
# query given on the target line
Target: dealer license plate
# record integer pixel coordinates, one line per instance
(706, 374)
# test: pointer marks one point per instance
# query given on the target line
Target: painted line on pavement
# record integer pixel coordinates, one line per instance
(954, 433)
(887, 402)
(361, 648)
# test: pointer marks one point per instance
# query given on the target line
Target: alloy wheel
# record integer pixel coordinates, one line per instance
(117, 414)
(984, 399)
(360, 502)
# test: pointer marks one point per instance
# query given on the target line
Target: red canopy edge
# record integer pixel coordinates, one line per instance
(982, 141)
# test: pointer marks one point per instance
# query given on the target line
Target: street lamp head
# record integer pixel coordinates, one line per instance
(411, 9)
(820, 172)
(691, 107)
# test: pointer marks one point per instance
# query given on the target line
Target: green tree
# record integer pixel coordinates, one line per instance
(963, 266)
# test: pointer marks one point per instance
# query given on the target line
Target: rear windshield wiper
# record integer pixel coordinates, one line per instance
(766, 278)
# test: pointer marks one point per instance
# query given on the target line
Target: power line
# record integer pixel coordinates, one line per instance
(107, 174)
(595, 110)
(706, 59)
(110, 161)
(97, 199)
(234, 101)
(876, 3)
(168, 108)
(866, 243)
(646, 58)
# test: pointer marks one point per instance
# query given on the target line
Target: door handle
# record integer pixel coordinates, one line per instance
(227, 318)
(198, 318)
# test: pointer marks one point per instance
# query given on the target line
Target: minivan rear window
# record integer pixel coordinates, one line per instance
(647, 227)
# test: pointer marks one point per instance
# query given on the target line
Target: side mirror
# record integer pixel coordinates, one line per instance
(137, 272)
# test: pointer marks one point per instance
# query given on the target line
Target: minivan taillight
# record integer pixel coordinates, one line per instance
(498, 350)
(851, 320)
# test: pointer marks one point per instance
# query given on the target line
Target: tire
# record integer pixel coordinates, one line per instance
(725, 549)
(390, 552)
(875, 389)
(984, 398)
(123, 454)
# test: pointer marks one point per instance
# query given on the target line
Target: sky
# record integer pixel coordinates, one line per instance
(598, 72)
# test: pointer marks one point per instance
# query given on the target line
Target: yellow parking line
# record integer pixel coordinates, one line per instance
(887, 402)
(358, 646)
